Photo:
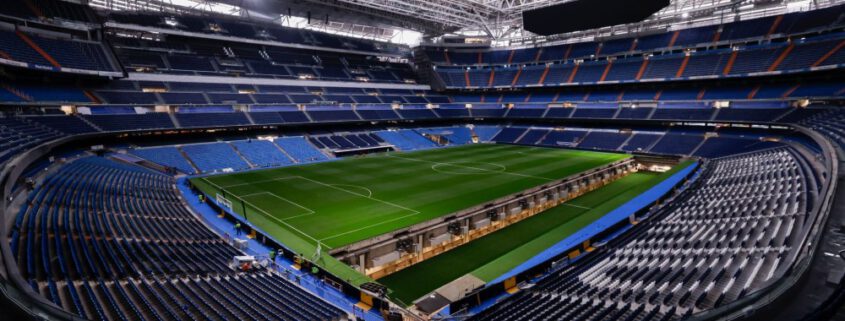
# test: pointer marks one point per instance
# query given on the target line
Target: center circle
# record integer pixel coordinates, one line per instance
(468, 168)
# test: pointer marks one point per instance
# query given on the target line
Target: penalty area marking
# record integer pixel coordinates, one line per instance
(369, 191)
(335, 186)
(308, 210)
(369, 226)
(268, 215)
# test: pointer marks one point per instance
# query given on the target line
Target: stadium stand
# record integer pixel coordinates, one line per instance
(406, 139)
(261, 153)
(167, 156)
(703, 243)
(116, 237)
(214, 157)
(131, 258)
(748, 57)
(300, 150)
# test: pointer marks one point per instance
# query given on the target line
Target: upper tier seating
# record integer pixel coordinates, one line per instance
(678, 143)
(834, 89)
(131, 121)
(333, 115)
(196, 57)
(211, 119)
(49, 10)
(752, 59)
(16, 49)
(237, 27)
(28, 48)
(64, 124)
(700, 252)
(793, 23)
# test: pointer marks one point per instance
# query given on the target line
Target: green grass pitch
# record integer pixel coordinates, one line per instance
(495, 254)
(341, 202)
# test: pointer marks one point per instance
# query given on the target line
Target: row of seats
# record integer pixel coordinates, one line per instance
(236, 155)
(406, 139)
(100, 218)
(784, 57)
(670, 142)
(829, 122)
(699, 93)
(16, 135)
(203, 98)
(241, 155)
(346, 141)
(772, 26)
(215, 88)
(127, 92)
(453, 135)
(107, 240)
(259, 296)
(34, 129)
(53, 52)
(704, 250)
(241, 28)
(50, 10)
(197, 57)
(22, 132)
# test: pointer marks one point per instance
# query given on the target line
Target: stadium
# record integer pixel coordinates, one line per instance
(479, 160)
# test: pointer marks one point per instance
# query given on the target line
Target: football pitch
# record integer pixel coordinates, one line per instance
(495, 254)
(341, 202)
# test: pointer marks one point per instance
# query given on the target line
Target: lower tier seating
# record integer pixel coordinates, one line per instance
(701, 251)
(17, 134)
(829, 122)
(107, 240)
(406, 139)
(214, 157)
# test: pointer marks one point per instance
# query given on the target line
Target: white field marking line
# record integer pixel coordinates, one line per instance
(415, 212)
(310, 211)
(578, 206)
(269, 216)
(370, 226)
(502, 169)
(361, 195)
(540, 154)
(355, 186)
(259, 182)
(475, 168)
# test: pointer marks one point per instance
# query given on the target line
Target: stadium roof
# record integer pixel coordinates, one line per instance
(498, 21)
